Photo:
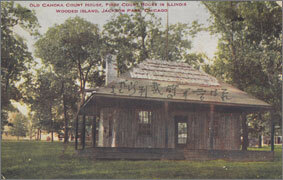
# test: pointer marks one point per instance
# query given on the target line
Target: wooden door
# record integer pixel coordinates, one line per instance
(181, 131)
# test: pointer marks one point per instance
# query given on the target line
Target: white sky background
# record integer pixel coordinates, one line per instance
(47, 17)
(194, 10)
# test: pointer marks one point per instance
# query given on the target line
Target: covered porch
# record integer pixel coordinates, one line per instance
(87, 132)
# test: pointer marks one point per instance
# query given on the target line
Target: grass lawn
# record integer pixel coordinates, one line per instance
(34, 160)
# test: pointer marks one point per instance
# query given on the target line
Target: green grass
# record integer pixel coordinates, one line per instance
(45, 160)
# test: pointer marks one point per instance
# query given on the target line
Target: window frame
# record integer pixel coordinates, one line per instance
(181, 119)
(144, 120)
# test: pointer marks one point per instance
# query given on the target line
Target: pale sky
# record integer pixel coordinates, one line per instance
(48, 17)
(183, 12)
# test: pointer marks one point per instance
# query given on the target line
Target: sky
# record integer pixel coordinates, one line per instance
(179, 11)
(188, 12)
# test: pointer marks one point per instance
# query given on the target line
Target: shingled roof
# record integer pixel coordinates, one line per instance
(175, 81)
(177, 72)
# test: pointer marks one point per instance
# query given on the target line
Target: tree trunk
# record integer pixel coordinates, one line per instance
(18, 138)
(272, 130)
(77, 132)
(40, 134)
(51, 123)
(52, 136)
(66, 135)
(144, 53)
(66, 120)
(83, 133)
(82, 94)
(37, 138)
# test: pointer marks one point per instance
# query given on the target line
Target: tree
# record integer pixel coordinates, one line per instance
(33, 125)
(68, 98)
(138, 36)
(249, 50)
(74, 45)
(46, 97)
(19, 127)
(15, 57)
(52, 99)
(72, 50)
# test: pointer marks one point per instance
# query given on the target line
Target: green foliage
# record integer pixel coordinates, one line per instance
(72, 51)
(72, 48)
(15, 57)
(135, 37)
(33, 160)
(12, 16)
(196, 59)
(19, 127)
(44, 97)
(48, 95)
(249, 49)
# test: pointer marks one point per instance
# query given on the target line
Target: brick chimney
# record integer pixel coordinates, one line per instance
(111, 69)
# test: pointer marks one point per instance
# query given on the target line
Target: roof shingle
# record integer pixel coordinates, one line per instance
(154, 79)
(177, 72)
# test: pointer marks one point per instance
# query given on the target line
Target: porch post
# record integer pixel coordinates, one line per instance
(83, 133)
(260, 135)
(245, 143)
(94, 131)
(272, 130)
(211, 133)
(166, 122)
(76, 133)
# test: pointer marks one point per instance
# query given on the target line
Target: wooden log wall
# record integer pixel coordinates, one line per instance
(118, 127)
(226, 130)
(227, 136)
(198, 128)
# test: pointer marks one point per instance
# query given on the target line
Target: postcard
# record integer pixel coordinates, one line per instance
(141, 89)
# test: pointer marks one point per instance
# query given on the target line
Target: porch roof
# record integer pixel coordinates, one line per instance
(175, 81)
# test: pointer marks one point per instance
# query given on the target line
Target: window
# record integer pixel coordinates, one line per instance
(144, 122)
(182, 132)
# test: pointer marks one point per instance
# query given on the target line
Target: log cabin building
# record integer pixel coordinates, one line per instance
(167, 110)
